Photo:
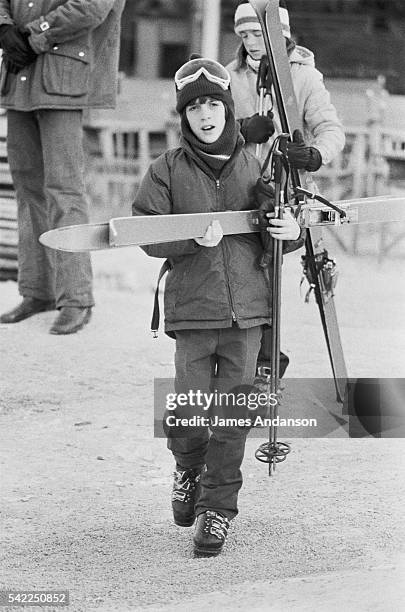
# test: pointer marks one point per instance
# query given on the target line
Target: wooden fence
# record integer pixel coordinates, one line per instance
(8, 213)
(363, 169)
(118, 156)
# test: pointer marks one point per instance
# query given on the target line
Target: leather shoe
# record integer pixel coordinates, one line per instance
(28, 307)
(70, 320)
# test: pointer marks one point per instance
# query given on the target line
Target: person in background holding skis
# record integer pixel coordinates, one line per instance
(216, 295)
(323, 135)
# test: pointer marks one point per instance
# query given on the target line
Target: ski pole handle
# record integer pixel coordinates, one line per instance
(263, 81)
(263, 89)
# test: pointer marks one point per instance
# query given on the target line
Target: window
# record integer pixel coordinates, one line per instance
(172, 56)
(127, 47)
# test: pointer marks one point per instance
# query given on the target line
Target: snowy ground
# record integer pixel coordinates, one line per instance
(85, 486)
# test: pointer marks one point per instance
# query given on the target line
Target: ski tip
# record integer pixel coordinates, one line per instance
(52, 239)
(77, 238)
(259, 5)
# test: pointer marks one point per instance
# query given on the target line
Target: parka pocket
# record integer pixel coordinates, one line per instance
(176, 284)
(66, 70)
(181, 272)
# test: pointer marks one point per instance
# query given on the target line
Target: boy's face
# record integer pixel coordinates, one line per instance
(206, 118)
(254, 43)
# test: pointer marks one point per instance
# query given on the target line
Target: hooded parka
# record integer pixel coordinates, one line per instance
(322, 128)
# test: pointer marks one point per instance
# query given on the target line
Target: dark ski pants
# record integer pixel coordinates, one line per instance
(223, 360)
(265, 352)
(45, 153)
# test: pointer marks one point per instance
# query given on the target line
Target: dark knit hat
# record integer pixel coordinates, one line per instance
(202, 77)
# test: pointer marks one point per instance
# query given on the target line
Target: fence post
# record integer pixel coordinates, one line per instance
(377, 105)
(378, 166)
(144, 154)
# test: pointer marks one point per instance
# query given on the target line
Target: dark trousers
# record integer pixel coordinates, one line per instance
(265, 352)
(45, 154)
(223, 360)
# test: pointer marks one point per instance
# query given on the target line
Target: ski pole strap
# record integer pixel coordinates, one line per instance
(268, 162)
(279, 173)
(154, 326)
(281, 168)
(319, 198)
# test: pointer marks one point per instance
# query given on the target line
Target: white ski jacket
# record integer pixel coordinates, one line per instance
(322, 128)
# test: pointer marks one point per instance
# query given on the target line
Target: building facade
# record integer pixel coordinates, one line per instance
(350, 38)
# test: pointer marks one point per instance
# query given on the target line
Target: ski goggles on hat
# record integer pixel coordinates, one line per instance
(192, 70)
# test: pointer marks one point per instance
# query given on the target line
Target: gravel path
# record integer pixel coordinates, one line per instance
(85, 486)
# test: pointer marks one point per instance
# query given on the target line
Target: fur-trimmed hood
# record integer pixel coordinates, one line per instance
(302, 55)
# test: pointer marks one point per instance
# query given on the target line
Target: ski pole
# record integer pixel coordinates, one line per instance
(274, 452)
(263, 88)
(279, 181)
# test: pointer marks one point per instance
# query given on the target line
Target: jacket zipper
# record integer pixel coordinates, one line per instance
(217, 183)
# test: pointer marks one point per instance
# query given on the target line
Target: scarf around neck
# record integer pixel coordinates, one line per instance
(252, 63)
(215, 154)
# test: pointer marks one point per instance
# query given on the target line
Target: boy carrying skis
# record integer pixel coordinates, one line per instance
(217, 298)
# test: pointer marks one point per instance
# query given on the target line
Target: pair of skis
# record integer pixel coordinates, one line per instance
(267, 12)
(155, 229)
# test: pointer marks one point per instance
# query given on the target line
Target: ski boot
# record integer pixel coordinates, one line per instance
(186, 489)
(210, 534)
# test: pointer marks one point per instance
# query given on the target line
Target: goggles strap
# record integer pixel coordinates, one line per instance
(181, 81)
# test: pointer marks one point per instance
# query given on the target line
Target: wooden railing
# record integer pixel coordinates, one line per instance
(119, 153)
(363, 170)
(8, 213)
(394, 144)
(118, 157)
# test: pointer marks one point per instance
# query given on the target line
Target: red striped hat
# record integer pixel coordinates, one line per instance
(246, 19)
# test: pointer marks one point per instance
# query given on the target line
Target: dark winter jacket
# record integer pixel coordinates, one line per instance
(77, 44)
(207, 287)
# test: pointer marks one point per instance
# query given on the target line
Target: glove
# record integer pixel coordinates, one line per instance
(16, 47)
(213, 235)
(286, 228)
(10, 66)
(257, 128)
(302, 157)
